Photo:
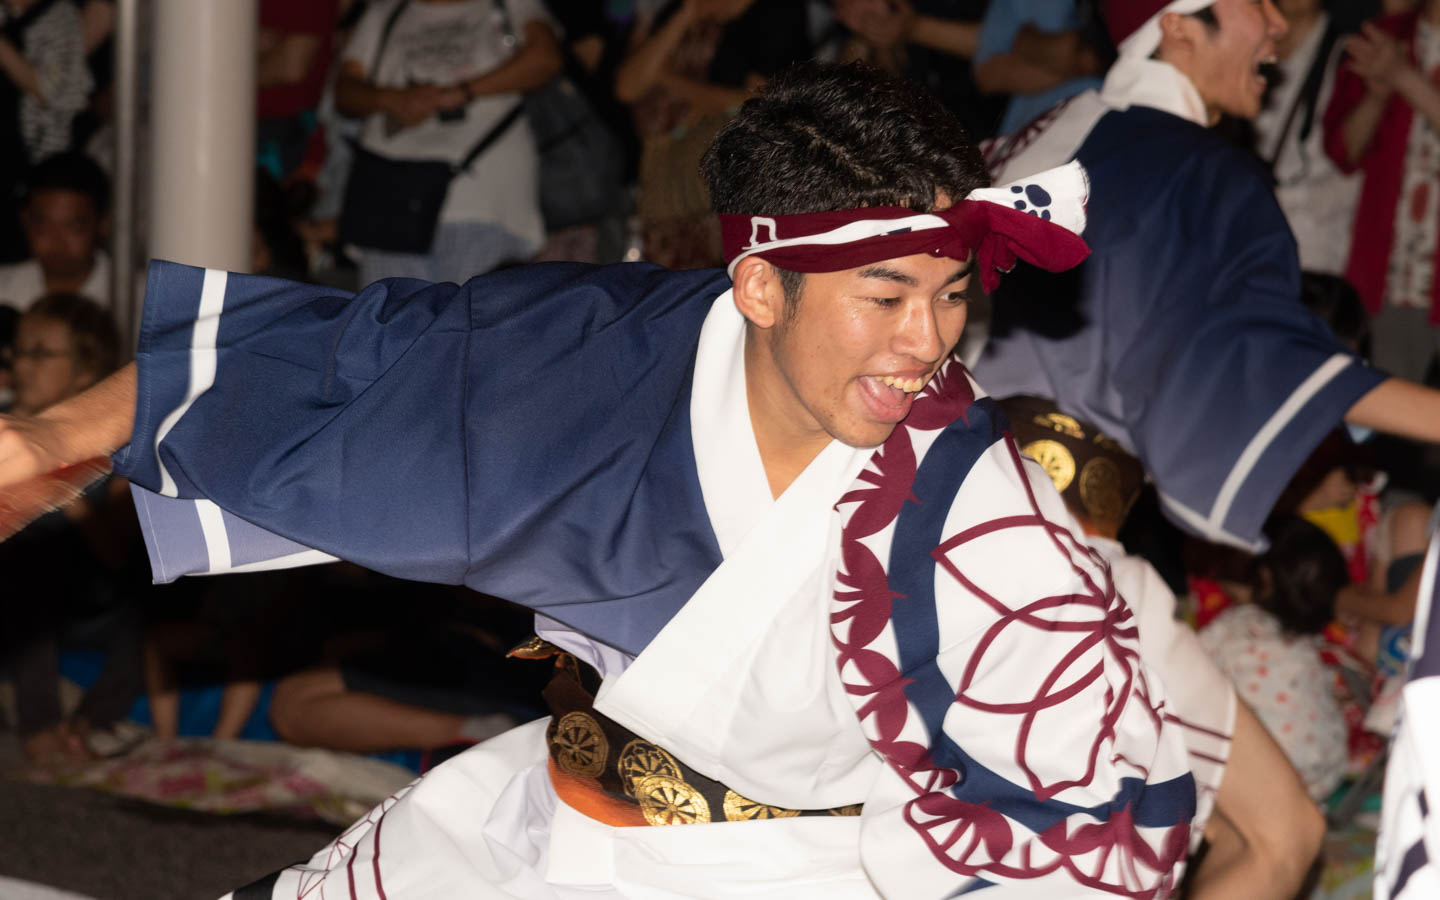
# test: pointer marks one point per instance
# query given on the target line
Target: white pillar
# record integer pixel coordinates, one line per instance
(127, 111)
(202, 120)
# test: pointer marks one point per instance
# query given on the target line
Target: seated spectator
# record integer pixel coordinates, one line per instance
(1363, 643)
(1268, 643)
(237, 632)
(65, 219)
(63, 344)
(1039, 52)
(688, 69)
(434, 678)
(44, 85)
(61, 572)
(931, 42)
(1382, 542)
(886, 29)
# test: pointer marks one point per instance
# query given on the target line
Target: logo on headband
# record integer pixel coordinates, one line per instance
(755, 224)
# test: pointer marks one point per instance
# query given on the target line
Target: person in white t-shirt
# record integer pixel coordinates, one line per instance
(65, 216)
(430, 87)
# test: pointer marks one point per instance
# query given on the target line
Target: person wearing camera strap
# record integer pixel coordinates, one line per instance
(438, 82)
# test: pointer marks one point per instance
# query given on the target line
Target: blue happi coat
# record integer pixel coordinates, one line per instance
(339, 423)
(1182, 336)
(528, 434)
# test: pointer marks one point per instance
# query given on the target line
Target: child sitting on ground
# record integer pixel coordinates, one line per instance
(1268, 643)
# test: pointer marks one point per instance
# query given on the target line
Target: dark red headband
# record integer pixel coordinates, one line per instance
(997, 225)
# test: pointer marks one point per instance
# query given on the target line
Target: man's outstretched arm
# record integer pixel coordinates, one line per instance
(90, 424)
(1399, 407)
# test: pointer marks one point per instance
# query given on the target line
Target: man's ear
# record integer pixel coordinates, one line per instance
(1177, 37)
(758, 293)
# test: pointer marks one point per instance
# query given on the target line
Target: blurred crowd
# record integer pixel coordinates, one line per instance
(572, 131)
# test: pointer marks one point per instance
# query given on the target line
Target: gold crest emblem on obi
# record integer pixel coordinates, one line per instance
(580, 746)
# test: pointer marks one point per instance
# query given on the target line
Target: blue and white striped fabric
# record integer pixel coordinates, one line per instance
(1182, 336)
(428, 432)
(1407, 857)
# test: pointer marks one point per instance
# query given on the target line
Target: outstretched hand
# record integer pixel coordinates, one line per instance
(28, 447)
(35, 477)
(91, 424)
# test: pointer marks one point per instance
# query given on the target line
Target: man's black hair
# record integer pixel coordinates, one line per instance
(824, 137)
(1303, 571)
(71, 172)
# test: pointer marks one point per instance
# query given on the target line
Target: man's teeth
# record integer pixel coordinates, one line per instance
(909, 386)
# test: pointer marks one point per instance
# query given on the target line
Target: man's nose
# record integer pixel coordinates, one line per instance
(919, 335)
(1275, 20)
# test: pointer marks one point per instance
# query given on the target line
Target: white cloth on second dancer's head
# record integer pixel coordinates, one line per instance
(1055, 137)
(1201, 699)
(1159, 338)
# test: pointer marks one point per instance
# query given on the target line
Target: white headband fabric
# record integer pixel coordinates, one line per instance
(1145, 40)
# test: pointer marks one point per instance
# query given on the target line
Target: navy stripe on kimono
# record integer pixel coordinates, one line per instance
(1182, 336)
(1407, 853)
(433, 432)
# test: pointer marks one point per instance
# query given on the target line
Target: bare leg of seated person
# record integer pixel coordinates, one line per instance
(237, 702)
(1265, 832)
(161, 690)
(59, 745)
(316, 709)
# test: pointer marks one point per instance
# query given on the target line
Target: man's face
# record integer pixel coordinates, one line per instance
(63, 230)
(850, 333)
(46, 370)
(1225, 66)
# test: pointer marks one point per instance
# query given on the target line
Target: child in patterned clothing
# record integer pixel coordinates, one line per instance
(1268, 644)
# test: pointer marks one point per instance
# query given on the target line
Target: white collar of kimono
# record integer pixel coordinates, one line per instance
(1137, 80)
(727, 459)
(1149, 82)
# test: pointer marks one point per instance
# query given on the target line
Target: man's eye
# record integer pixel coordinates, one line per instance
(885, 301)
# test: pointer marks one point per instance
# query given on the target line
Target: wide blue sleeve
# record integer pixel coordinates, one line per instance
(526, 433)
(1224, 380)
